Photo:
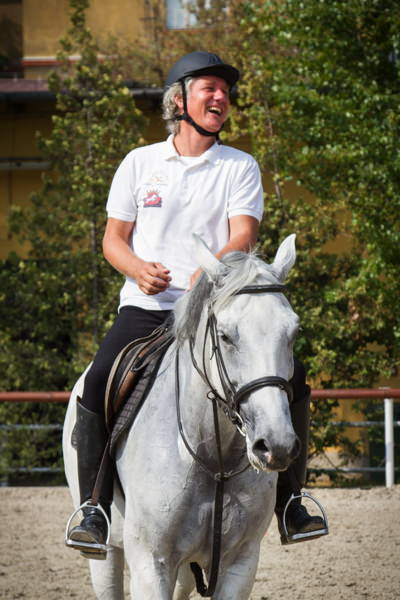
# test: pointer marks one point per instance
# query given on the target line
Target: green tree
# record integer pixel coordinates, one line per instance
(58, 302)
(321, 101)
(322, 92)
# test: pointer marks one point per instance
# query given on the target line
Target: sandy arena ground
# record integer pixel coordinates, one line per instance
(359, 559)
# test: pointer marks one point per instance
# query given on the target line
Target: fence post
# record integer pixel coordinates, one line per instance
(389, 442)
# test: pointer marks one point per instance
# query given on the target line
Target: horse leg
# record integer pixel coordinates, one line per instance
(236, 579)
(108, 575)
(152, 577)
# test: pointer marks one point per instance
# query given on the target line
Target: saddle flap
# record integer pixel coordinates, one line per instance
(128, 366)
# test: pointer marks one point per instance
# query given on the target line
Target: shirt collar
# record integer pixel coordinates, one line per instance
(211, 155)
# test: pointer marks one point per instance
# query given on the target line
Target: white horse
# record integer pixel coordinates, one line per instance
(234, 328)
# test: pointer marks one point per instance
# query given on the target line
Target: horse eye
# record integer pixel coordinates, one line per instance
(224, 337)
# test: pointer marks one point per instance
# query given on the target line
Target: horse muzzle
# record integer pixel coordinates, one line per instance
(273, 457)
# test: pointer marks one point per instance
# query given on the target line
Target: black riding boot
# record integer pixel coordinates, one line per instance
(300, 525)
(91, 438)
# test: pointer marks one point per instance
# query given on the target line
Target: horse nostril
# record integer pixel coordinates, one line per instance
(260, 447)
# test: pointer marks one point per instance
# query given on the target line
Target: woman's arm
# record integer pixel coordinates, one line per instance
(151, 278)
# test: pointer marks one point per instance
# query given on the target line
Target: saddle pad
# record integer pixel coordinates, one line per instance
(140, 384)
(128, 366)
(134, 402)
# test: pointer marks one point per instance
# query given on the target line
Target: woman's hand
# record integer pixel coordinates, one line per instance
(152, 278)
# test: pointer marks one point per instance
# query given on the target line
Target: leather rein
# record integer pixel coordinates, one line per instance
(230, 404)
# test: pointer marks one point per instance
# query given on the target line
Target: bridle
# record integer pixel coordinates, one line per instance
(232, 398)
(230, 404)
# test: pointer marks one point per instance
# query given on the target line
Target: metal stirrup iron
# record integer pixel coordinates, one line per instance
(298, 537)
(88, 548)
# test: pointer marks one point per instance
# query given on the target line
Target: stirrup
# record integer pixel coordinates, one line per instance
(89, 550)
(308, 535)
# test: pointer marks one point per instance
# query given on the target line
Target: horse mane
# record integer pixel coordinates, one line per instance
(241, 269)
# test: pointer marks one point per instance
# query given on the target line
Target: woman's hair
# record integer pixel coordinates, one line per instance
(169, 107)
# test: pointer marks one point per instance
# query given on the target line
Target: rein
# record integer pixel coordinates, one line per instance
(230, 404)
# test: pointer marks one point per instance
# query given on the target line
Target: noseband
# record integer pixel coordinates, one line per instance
(233, 397)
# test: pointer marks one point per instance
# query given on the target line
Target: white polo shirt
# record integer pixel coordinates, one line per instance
(170, 197)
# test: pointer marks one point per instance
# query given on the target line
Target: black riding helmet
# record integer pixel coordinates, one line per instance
(197, 64)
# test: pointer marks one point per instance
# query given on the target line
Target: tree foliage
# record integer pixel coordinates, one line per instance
(322, 90)
(67, 291)
(321, 98)
(57, 303)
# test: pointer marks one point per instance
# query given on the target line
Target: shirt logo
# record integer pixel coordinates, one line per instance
(153, 199)
(158, 178)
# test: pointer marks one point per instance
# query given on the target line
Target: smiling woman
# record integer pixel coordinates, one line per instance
(160, 194)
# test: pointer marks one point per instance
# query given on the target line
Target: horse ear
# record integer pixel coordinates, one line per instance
(206, 259)
(285, 257)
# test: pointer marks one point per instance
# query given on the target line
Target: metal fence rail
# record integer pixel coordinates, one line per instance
(388, 395)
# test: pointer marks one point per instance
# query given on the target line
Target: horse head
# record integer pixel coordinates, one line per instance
(248, 329)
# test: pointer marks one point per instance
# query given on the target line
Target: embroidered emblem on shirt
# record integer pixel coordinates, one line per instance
(152, 200)
(158, 178)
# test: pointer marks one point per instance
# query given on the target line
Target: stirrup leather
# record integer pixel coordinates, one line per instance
(299, 537)
(89, 550)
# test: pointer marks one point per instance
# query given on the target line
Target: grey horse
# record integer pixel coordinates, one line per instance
(162, 518)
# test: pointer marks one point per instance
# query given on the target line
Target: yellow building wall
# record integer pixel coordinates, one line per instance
(19, 126)
(15, 189)
(10, 11)
(45, 22)
(10, 23)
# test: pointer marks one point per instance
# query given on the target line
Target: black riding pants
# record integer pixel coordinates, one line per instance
(131, 323)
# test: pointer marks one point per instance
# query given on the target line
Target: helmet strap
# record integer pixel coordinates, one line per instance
(186, 117)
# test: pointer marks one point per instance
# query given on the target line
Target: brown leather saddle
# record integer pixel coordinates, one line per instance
(131, 378)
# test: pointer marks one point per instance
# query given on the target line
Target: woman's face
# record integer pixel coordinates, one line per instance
(207, 102)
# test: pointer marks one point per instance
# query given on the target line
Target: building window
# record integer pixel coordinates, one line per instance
(179, 15)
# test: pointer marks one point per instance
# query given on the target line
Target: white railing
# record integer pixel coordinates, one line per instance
(388, 395)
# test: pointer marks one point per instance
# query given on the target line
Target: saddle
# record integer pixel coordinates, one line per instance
(131, 378)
